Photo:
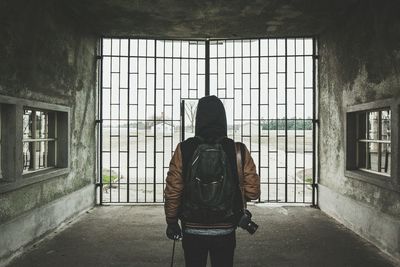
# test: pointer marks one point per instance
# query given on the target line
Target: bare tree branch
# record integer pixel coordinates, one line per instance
(191, 108)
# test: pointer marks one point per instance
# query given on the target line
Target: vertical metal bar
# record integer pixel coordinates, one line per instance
(137, 120)
(119, 121)
(314, 203)
(111, 124)
(367, 154)
(39, 144)
(33, 162)
(207, 78)
(269, 123)
(386, 146)
(197, 73)
(155, 132)
(46, 144)
(259, 111)
(241, 86)
(100, 95)
(295, 121)
(226, 81)
(286, 128)
(163, 139)
(163, 77)
(182, 120)
(216, 75)
(276, 122)
(171, 149)
(145, 127)
(304, 125)
(358, 130)
(379, 138)
(225, 59)
(128, 126)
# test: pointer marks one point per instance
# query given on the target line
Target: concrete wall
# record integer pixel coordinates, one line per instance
(45, 57)
(359, 63)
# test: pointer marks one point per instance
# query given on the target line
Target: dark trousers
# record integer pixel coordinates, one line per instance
(197, 247)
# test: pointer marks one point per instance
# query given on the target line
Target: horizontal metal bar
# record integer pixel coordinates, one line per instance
(38, 139)
(272, 183)
(374, 141)
(156, 57)
(203, 39)
(375, 172)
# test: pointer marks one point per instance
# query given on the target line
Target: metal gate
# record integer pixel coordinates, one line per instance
(148, 93)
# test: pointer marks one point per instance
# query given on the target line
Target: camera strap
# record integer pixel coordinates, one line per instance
(240, 168)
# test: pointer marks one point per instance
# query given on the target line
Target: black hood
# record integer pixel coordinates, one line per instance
(210, 118)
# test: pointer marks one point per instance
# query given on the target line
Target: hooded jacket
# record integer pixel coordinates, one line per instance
(210, 119)
(211, 126)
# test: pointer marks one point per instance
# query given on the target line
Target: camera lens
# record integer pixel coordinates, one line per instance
(247, 224)
(251, 227)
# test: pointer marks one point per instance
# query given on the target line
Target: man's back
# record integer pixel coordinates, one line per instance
(204, 231)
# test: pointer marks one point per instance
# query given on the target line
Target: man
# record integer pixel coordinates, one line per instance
(208, 228)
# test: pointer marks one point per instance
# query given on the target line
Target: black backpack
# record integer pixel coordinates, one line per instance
(210, 187)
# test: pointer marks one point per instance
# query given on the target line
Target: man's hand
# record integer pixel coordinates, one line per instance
(174, 231)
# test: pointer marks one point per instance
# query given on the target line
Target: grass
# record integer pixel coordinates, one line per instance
(109, 177)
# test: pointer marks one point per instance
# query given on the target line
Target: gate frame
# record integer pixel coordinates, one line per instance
(315, 110)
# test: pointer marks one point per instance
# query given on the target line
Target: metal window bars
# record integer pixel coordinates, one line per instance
(148, 93)
(374, 141)
(36, 140)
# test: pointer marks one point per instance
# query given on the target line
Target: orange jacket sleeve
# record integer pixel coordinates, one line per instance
(251, 180)
(173, 187)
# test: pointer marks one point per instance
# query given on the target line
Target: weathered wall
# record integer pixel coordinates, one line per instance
(359, 63)
(45, 57)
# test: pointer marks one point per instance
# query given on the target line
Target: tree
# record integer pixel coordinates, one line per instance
(190, 110)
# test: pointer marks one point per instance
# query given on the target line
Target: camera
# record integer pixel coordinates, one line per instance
(246, 223)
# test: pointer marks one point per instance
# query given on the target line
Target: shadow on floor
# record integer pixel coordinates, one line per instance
(135, 236)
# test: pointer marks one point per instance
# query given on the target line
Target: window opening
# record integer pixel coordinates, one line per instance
(37, 141)
(374, 141)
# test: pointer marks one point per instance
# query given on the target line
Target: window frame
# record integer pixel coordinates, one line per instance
(363, 115)
(389, 181)
(51, 147)
(12, 150)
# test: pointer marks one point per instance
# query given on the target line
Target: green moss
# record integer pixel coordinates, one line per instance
(109, 176)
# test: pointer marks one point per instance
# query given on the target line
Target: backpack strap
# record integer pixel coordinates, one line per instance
(219, 140)
(200, 139)
(240, 169)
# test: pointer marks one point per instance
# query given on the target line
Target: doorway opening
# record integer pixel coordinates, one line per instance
(148, 93)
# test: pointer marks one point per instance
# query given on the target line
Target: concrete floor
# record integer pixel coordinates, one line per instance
(134, 236)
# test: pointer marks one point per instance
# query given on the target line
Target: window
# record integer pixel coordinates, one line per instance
(39, 140)
(374, 141)
(34, 145)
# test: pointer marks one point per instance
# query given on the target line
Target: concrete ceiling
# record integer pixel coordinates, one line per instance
(209, 18)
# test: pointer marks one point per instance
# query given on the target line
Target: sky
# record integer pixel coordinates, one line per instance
(270, 77)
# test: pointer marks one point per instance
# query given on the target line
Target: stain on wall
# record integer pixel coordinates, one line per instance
(359, 63)
(45, 56)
